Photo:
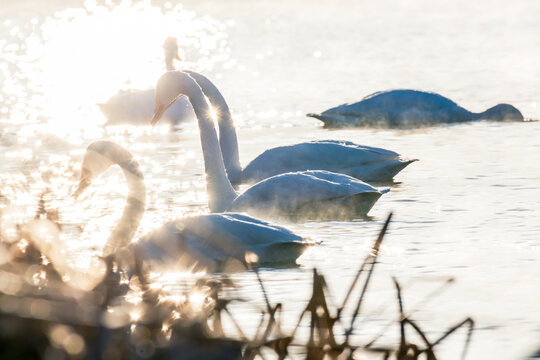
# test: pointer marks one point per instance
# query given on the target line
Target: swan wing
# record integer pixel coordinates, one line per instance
(213, 239)
(395, 108)
(137, 107)
(393, 101)
(362, 162)
(286, 193)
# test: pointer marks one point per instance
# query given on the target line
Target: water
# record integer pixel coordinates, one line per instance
(468, 209)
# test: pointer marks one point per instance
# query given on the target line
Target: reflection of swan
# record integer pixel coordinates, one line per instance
(344, 157)
(409, 108)
(201, 241)
(136, 106)
(311, 194)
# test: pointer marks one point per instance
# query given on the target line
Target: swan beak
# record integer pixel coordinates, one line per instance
(83, 184)
(158, 113)
(86, 180)
(177, 57)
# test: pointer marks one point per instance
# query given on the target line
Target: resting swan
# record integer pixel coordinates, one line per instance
(203, 241)
(306, 194)
(136, 106)
(366, 163)
(408, 108)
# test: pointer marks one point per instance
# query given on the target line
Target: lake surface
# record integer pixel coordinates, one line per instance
(469, 209)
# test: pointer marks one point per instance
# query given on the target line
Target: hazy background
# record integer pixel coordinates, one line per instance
(468, 209)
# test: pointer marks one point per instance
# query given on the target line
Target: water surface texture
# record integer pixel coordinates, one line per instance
(469, 209)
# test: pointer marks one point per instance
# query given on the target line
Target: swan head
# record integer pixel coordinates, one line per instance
(170, 47)
(99, 156)
(170, 87)
(502, 112)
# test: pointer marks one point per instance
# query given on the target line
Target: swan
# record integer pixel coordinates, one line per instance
(202, 241)
(366, 163)
(409, 108)
(315, 194)
(136, 106)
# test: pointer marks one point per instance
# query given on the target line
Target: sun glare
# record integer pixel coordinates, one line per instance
(81, 57)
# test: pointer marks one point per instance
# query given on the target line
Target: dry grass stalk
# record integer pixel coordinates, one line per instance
(101, 325)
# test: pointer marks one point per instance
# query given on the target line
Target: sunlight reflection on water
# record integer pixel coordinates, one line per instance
(62, 65)
(54, 71)
(468, 208)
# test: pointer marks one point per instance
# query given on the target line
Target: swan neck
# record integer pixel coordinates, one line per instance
(169, 58)
(227, 132)
(169, 62)
(126, 227)
(486, 114)
(221, 194)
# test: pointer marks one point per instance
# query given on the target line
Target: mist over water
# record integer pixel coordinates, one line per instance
(468, 209)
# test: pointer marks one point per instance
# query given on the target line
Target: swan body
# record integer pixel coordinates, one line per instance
(362, 162)
(210, 241)
(408, 108)
(366, 163)
(137, 106)
(311, 194)
(314, 194)
(203, 241)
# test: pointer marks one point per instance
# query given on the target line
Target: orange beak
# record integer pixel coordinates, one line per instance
(177, 57)
(158, 112)
(83, 184)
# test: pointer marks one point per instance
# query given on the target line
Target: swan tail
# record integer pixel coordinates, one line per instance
(325, 119)
(283, 253)
(406, 162)
(384, 174)
(403, 164)
(330, 121)
(316, 116)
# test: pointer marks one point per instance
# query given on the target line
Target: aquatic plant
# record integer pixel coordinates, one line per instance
(135, 319)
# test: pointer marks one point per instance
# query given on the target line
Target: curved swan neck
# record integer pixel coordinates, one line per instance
(128, 224)
(227, 132)
(220, 191)
(99, 156)
(170, 49)
(169, 64)
(169, 59)
(501, 112)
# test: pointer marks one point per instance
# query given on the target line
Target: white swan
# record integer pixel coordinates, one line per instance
(203, 241)
(409, 108)
(136, 106)
(366, 163)
(307, 194)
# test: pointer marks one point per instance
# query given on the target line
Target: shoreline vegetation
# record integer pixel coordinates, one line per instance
(43, 317)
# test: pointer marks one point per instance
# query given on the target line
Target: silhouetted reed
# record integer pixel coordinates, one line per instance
(43, 317)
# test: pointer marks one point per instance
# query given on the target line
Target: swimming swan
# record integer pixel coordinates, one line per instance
(306, 194)
(408, 108)
(202, 241)
(136, 106)
(366, 163)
